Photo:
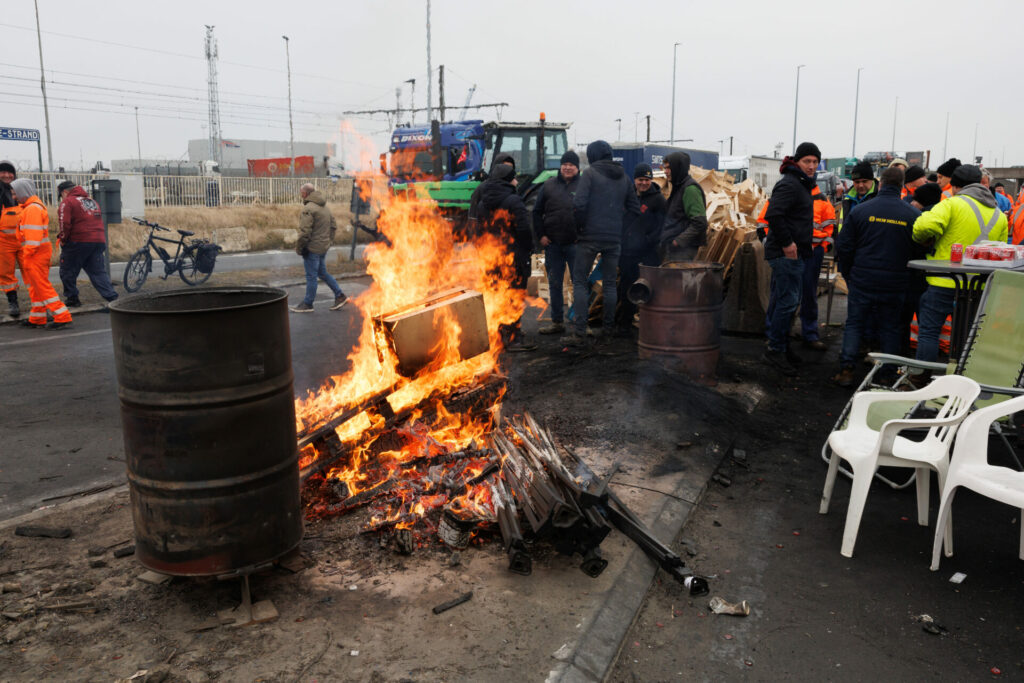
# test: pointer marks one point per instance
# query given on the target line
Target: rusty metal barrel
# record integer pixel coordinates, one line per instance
(680, 315)
(208, 413)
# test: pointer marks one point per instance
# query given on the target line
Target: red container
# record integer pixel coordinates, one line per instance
(956, 253)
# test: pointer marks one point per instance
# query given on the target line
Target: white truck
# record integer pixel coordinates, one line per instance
(762, 170)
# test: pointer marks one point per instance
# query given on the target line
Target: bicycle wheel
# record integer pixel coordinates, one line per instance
(189, 270)
(137, 270)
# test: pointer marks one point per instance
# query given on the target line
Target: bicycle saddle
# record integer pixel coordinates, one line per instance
(185, 233)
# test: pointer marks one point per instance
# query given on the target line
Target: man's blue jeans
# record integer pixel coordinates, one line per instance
(809, 295)
(316, 267)
(787, 274)
(557, 257)
(936, 305)
(586, 252)
(882, 309)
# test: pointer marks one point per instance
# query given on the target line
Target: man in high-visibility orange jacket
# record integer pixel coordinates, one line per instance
(10, 216)
(1017, 225)
(35, 259)
(944, 173)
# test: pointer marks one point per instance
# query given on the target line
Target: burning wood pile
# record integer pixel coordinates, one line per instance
(413, 431)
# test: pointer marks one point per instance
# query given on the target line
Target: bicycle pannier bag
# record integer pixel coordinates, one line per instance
(206, 257)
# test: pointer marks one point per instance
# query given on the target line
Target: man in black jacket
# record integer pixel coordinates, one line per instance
(686, 221)
(502, 212)
(555, 227)
(640, 240)
(604, 199)
(872, 252)
(790, 219)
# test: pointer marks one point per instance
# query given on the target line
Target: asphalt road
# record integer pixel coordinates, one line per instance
(61, 421)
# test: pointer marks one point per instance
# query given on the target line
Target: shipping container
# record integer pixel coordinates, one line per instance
(629, 154)
(280, 167)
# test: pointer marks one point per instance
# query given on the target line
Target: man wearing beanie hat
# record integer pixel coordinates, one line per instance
(10, 217)
(790, 217)
(969, 216)
(686, 221)
(555, 227)
(864, 188)
(83, 243)
(926, 196)
(872, 252)
(943, 173)
(640, 240)
(913, 178)
(35, 259)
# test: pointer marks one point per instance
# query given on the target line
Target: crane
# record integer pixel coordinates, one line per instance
(469, 96)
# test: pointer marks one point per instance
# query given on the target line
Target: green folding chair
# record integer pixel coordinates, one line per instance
(993, 356)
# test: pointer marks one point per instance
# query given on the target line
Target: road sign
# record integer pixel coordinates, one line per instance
(26, 134)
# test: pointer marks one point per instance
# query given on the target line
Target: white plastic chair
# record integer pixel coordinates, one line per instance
(865, 449)
(969, 467)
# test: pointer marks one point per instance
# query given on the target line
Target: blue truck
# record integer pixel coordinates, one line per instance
(629, 154)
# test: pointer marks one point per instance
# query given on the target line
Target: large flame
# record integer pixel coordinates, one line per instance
(423, 258)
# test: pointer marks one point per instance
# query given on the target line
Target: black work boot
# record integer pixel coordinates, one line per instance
(13, 309)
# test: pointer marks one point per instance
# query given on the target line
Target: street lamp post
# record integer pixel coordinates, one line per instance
(896, 107)
(291, 129)
(138, 139)
(945, 139)
(672, 126)
(636, 126)
(856, 102)
(618, 138)
(796, 102)
(46, 106)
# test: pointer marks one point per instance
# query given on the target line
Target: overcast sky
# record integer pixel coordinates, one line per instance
(588, 62)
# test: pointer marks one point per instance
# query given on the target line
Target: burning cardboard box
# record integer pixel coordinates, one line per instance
(417, 333)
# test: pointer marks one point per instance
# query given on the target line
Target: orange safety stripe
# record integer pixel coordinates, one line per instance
(944, 336)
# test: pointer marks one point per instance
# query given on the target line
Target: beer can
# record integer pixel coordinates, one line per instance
(956, 253)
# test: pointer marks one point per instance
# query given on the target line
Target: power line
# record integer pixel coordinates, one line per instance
(181, 54)
(386, 93)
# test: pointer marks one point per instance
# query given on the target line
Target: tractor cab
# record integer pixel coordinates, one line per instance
(536, 147)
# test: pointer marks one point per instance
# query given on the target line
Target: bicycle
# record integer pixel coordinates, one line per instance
(186, 260)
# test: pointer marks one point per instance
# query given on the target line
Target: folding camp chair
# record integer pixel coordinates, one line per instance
(993, 356)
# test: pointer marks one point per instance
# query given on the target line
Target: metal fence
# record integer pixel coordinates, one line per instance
(167, 190)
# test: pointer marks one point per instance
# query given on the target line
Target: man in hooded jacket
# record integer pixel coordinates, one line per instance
(969, 215)
(83, 243)
(10, 216)
(316, 234)
(686, 222)
(640, 239)
(604, 200)
(473, 215)
(790, 219)
(502, 212)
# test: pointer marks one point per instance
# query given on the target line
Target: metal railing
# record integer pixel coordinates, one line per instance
(167, 190)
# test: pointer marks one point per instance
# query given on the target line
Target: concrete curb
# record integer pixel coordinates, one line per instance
(101, 308)
(598, 647)
(71, 504)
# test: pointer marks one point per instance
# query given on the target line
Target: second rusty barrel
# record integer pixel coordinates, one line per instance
(681, 315)
(208, 414)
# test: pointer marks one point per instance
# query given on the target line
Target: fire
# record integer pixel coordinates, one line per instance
(422, 257)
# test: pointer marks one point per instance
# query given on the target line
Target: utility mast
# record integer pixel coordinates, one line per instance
(212, 95)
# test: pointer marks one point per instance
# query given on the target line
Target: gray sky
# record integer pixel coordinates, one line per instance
(586, 62)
